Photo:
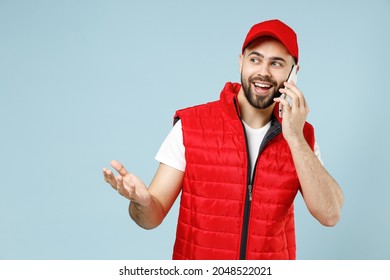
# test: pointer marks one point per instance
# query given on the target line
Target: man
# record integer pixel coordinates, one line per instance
(238, 164)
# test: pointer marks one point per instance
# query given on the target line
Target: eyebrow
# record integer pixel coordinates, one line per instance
(273, 58)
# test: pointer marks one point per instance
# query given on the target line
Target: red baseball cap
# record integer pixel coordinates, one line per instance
(277, 29)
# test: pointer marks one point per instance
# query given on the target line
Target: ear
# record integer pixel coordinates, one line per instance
(298, 67)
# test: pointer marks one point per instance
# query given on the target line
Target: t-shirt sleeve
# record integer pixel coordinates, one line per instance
(172, 151)
(317, 152)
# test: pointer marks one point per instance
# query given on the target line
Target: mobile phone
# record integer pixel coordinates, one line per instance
(293, 76)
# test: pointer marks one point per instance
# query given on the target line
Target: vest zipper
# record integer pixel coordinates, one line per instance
(274, 130)
(248, 201)
(250, 192)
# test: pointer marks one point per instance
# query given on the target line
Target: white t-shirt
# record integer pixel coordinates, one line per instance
(172, 150)
(254, 137)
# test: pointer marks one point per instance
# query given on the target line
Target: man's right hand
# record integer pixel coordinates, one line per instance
(127, 184)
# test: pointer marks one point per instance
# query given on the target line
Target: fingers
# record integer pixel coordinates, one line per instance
(126, 189)
(294, 116)
(127, 184)
(284, 102)
(110, 178)
(284, 105)
(119, 167)
(298, 101)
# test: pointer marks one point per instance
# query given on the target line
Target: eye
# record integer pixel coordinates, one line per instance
(277, 64)
(254, 60)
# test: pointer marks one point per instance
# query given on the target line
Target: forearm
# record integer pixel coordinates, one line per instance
(147, 217)
(320, 191)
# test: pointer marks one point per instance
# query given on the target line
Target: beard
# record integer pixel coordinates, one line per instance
(257, 101)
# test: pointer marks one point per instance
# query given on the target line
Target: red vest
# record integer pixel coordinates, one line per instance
(223, 215)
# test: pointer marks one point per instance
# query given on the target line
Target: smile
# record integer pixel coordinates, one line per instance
(263, 86)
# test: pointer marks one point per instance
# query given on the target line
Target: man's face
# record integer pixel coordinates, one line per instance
(265, 65)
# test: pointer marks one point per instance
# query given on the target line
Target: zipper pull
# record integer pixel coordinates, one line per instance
(250, 192)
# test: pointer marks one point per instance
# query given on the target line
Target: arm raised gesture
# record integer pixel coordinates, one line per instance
(321, 193)
(148, 206)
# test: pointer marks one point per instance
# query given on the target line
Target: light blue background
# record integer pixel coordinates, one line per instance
(84, 82)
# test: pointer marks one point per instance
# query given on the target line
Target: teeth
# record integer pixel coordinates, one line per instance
(262, 85)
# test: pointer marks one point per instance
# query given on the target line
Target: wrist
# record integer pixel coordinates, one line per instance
(293, 138)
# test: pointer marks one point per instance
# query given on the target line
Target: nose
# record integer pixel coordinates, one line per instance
(263, 70)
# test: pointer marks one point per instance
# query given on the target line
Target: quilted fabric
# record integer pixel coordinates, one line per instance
(211, 220)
